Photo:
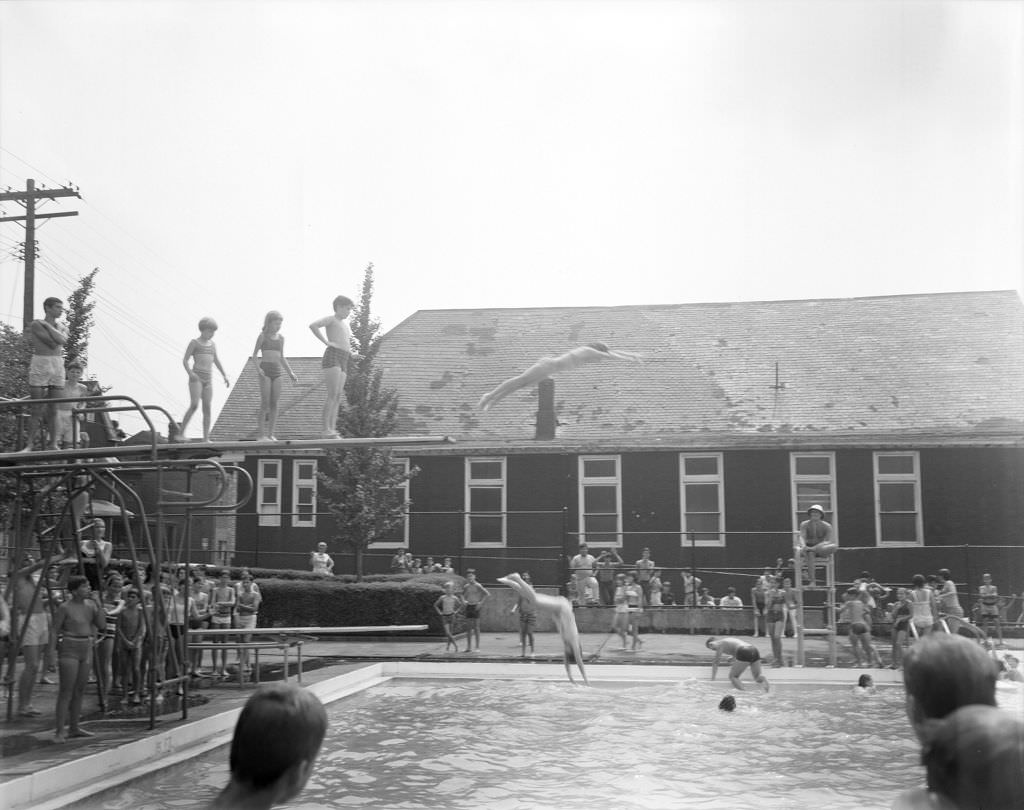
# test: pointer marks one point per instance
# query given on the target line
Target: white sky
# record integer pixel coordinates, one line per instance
(236, 157)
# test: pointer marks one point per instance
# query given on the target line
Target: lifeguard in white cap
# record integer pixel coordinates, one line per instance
(815, 539)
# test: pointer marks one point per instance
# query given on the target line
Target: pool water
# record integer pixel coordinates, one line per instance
(412, 743)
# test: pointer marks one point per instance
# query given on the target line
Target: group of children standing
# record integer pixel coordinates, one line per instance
(451, 605)
(270, 365)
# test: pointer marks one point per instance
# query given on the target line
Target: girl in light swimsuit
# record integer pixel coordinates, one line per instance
(203, 354)
(548, 366)
(271, 343)
(922, 606)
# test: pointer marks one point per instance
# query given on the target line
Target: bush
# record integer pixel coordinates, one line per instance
(332, 602)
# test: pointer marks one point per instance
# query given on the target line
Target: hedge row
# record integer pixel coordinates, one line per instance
(331, 602)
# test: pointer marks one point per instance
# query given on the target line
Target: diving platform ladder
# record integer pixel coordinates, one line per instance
(825, 584)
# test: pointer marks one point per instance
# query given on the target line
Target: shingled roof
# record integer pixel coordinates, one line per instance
(930, 369)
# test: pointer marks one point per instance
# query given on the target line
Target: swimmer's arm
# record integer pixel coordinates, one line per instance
(220, 368)
(48, 335)
(99, 616)
(714, 664)
(437, 605)
(189, 351)
(485, 594)
(632, 356)
(316, 326)
(256, 352)
(288, 368)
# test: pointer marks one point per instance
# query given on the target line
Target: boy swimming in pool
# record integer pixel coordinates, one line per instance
(744, 655)
(548, 366)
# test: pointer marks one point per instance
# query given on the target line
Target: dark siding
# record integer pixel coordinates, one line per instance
(650, 507)
(855, 493)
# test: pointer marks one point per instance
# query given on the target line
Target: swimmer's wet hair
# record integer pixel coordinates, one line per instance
(864, 680)
(281, 726)
(207, 323)
(727, 704)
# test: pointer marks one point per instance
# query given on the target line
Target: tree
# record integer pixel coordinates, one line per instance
(80, 319)
(15, 355)
(361, 486)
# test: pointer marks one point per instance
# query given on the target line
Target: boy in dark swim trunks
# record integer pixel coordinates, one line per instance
(78, 622)
(474, 595)
(337, 337)
(744, 654)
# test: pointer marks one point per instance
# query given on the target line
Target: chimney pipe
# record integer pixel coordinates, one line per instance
(546, 422)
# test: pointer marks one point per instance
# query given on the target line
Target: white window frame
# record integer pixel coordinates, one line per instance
(300, 484)
(684, 479)
(269, 511)
(404, 488)
(583, 483)
(901, 478)
(486, 483)
(815, 478)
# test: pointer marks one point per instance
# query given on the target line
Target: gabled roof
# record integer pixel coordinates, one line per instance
(850, 371)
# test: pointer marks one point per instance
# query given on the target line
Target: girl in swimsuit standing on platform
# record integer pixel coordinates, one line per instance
(269, 368)
(203, 353)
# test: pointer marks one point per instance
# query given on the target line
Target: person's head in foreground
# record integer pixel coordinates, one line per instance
(275, 744)
(973, 758)
(943, 672)
(727, 704)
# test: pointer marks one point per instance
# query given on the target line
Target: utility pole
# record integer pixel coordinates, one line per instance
(27, 199)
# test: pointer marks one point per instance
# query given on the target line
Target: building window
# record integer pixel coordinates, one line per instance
(485, 501)
(304, 493)
(898, 499)
(398, 537)
(702, 499)
(269, 506)
(813, 476)
(600, 498)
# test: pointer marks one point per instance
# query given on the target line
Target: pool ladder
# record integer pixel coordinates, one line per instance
(826, 567)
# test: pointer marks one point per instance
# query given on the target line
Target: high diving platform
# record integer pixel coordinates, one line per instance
(173, 451)
(150, 492)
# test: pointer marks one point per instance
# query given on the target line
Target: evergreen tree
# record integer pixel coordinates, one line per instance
(80, 319)
(15, 355)
(359, 486)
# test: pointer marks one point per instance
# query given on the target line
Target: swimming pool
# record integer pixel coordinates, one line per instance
(645, 737)
(433, 743)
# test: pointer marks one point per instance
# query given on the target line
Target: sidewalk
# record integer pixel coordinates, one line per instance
(28, 745)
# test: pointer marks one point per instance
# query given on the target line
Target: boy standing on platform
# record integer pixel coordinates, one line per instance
(337, 337)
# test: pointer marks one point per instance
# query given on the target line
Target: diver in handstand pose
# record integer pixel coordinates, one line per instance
(560, 609)
(547, 366)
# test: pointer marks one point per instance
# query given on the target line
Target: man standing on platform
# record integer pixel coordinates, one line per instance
(46, 377)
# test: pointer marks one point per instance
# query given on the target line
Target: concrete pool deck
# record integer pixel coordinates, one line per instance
(37, 773)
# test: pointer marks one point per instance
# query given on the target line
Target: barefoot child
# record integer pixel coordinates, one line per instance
(473, 594)
(448, 606)
(131, 633)
(337, 337)
(548, 366)
(203, 354)
(527, 618)
(744, 654)
(269, 368)
(66, 416)
(79, 621)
